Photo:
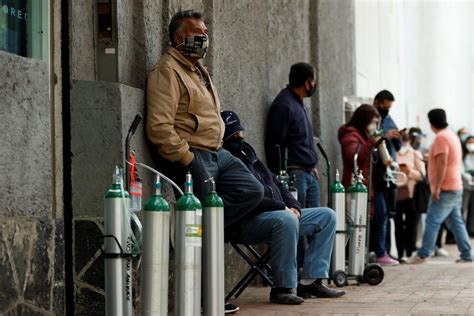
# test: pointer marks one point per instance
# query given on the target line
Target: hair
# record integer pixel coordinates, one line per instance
(300, 73)
(384, 95)
(362, 117)
(177, 21)
(437, 118)
(464, 146)
(459, 132)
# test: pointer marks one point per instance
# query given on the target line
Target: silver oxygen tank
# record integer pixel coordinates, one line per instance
(213, 253)
(339, 205)
(155, 254)
(358, 192)
(118, 296)
(188, 253)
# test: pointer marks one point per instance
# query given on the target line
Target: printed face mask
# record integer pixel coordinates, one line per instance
(470, 147)
(195, 46)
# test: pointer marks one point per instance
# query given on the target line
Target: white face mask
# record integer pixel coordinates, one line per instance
(371, 128)
(470, 147)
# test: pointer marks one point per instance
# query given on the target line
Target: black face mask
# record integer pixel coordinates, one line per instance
(234, 145)
(310, 93)
(383, 113)
(416, 144)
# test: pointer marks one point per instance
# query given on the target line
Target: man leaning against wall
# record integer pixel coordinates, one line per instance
(185, 126)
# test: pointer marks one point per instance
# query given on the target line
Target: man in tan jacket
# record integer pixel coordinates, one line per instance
(184, 122)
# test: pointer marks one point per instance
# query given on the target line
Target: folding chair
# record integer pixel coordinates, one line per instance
(258, 264)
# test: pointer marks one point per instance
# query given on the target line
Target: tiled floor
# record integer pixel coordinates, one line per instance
(439, 287)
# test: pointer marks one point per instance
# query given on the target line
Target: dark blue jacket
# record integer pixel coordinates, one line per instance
(289, 125)
(393, 146)
(276, 196)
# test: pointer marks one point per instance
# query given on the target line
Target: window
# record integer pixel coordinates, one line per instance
(24, 27)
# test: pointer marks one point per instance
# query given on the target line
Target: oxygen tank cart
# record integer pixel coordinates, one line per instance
(188, 253)
(213, 253)
(358, 223)
(155, 254)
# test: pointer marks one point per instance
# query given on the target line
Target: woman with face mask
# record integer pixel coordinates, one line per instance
(407, 215)
(468, 183)
(359, 130)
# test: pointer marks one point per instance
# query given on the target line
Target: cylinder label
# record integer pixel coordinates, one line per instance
(193, 235)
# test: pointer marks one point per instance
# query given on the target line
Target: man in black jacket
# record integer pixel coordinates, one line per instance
(279, 221)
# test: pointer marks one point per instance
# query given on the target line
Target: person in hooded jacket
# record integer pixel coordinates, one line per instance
(280, 221)
(358, 131)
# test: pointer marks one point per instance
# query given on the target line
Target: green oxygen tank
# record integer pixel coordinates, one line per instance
(357, 243)
(213, 253)
(117, 248)
(339, 251)
(155, 254)
(188, 246)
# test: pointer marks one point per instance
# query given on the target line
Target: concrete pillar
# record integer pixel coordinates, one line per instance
(332, 52)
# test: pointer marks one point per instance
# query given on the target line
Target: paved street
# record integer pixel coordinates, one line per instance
(438, 287)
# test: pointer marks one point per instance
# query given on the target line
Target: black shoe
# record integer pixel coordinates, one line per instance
(318, 289)
(231, 308)
(464, 260)
(280, 295)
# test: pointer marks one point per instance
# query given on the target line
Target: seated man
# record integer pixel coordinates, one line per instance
(279, 221)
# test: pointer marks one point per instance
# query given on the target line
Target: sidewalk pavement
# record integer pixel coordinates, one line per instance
(438, 287)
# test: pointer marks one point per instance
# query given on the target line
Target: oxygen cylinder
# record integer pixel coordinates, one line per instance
(118, 295)
(358, 192)
(213, 253)
(188, 247)
(338, 203)
(155, 254)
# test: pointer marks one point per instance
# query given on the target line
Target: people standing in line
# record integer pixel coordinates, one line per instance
(444, 172)
(289, 125)
(384, 192)
(468, 184)
(407, 216)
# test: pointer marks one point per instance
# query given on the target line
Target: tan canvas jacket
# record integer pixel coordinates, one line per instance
(181, 111)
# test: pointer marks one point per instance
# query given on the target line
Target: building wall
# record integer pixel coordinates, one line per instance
(31, 237)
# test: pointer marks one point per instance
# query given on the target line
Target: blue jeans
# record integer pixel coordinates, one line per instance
(448, 210)
(308, 196)
(308, 188)
(281, 230)
(384, 203)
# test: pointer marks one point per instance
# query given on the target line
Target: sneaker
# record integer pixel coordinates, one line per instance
(386, 260)
(440, 252)
(403, 260)
(230, 308)
(464, 260)
(416, 260)
(280, 295)
(318, 289)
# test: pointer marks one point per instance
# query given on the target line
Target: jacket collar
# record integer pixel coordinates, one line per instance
(249, 152)
(173, 52)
